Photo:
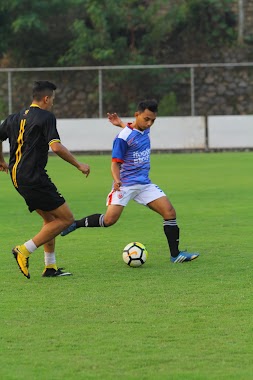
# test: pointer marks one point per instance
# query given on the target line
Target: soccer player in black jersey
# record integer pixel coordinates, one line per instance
(31, 132)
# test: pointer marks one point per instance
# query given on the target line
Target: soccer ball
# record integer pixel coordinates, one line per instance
(135, 254)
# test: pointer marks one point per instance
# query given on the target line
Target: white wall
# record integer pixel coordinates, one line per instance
(178, 133)
(166, 133)
(6, 147)
(86, 134)
(230, 131)
(98, 134)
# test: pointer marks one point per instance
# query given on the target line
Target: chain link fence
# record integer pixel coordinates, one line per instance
(91, 92)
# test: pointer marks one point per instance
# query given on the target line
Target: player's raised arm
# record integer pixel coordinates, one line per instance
(115, 170)
(115, 120)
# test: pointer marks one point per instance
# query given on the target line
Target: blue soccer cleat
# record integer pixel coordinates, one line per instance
(184, 256)
(70, 228)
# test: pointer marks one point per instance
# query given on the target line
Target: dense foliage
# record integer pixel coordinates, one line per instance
(95, 32)
(112, 32)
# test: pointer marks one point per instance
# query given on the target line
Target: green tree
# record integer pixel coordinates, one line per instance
(115, 32)
(109, 32)
(208, 21)
(35, 34)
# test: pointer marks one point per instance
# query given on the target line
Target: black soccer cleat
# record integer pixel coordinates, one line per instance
(52, 272)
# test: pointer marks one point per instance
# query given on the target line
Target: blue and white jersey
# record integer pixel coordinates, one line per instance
(131, 148)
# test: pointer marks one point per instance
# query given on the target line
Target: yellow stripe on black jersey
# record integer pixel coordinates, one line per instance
(54, 141)
(33, 130)
(18, 153)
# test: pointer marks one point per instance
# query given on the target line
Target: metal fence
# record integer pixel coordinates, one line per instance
(199, 89)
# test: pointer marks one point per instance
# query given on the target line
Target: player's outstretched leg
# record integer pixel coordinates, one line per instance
(21, 255)
(69, 229)
(94, 220)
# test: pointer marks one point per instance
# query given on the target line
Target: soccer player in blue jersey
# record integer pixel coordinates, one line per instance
(130, 171)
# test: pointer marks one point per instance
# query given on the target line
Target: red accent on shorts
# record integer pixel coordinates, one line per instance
(110, 197)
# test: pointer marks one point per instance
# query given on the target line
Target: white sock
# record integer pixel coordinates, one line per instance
(30, 246)
(49, 258)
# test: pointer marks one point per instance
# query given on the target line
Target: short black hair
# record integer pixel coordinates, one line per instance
(43, 88)
(150, 104)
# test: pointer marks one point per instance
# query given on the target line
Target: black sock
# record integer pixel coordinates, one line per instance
(95, 220)
(171, 231)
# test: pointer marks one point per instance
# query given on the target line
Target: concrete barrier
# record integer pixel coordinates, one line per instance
(230, 132)
(167, 133)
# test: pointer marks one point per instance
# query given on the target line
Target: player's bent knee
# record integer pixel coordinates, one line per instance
(109, 221)
(170, 214)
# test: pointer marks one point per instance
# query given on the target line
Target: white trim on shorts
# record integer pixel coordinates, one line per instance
(142, 194)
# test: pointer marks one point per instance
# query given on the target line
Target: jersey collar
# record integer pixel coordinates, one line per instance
(34, 105)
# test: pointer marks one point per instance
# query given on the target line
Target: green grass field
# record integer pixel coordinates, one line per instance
(161, 321)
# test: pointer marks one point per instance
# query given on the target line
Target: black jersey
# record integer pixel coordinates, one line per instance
(30, 132)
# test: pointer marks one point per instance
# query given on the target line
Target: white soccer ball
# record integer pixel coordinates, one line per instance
(135, 254)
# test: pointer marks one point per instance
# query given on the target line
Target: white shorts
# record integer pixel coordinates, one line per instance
(142, 194)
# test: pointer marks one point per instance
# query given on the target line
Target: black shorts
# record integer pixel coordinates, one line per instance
(41, 197)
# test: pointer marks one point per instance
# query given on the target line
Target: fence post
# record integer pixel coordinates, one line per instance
(9, 93)
(100, 93)
(240, 21)
(192, 92)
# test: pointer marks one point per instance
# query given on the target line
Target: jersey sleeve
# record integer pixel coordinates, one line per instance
(50, 131)
(119, 150)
